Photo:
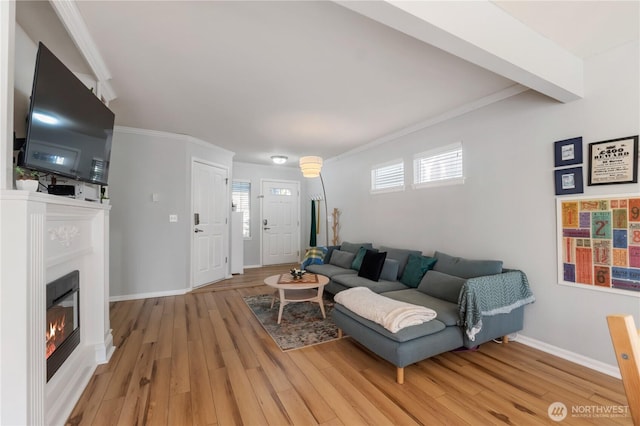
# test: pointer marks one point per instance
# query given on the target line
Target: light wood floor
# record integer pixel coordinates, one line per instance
(204, 359)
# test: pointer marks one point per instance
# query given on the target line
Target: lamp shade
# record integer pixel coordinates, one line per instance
(311, 166)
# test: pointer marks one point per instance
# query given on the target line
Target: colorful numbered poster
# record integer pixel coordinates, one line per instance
(599, 243)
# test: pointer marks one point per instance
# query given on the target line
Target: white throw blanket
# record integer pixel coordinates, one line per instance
(391, 314)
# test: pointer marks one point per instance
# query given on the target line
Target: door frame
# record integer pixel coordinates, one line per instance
(261, 198)
(226, 232)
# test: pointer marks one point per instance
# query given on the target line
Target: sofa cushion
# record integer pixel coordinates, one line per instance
(442, 286)
(415, 269)
(353, 247)
(329, 270)
(330, 249)
(353, 280)
(313, 256)
(357, 261)
(447, 311)
(389, 270)
(404, 335)
(372, 264)
(342, 259)
(401, 255)
(465, 268)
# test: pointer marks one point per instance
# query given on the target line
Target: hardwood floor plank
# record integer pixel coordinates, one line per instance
(180, 409)
(136, 402)
(158, 408)
(227, 411)
(204, 358)
(272, 407)
(248, 404)
(202, 402)
(84, 414)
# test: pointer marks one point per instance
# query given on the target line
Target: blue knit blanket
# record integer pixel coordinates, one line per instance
(492, 295)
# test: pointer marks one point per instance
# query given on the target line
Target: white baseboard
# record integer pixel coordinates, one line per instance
(611, 370)
(252, 266)
(148, 295)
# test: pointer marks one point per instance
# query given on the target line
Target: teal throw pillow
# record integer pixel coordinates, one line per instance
(357, 261)
(416, 267)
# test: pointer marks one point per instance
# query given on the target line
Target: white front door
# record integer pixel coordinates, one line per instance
(209, 222)
(280, 222)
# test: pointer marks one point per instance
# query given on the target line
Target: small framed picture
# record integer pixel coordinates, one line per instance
(569, 181)
(613, 161)
(568, 151)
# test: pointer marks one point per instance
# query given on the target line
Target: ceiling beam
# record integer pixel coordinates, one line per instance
(485, 35)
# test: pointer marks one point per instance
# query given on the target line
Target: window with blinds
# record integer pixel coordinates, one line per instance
(240, 197)
(442, 166)
(388, 177)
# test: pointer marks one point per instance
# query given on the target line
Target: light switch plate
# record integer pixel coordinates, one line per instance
(173, 218)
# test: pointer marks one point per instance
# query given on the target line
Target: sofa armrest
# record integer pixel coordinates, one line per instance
(489, 296)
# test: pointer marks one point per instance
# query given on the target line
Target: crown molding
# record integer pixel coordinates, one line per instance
(510, 91)
(71, 18)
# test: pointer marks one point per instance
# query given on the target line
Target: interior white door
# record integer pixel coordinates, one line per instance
(209, 221)
(280, 222)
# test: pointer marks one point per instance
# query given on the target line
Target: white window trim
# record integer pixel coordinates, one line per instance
(250, 237)
(434, 152)
(398, 188)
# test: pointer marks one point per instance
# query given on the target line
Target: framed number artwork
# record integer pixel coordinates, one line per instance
(599, 243)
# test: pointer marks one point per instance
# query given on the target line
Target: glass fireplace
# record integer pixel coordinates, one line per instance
(63, 320)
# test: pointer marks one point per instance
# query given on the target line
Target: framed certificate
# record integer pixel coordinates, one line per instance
(613, 161)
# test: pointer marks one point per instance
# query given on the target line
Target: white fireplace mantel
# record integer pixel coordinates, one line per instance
(43, 237)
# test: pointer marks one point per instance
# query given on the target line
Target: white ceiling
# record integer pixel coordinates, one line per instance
(298, 78)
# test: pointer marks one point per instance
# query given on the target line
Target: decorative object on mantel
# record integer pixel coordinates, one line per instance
(64, 234)
(335, 227)
(613, 161)
(27, 180)
(599, 243)
(569, 181)
(568, 152)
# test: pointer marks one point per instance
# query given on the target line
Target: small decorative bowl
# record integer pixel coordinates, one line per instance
(297, 273)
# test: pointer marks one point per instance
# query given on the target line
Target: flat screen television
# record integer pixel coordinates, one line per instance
(69, 130)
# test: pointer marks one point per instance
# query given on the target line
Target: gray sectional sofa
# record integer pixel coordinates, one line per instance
(475, 300)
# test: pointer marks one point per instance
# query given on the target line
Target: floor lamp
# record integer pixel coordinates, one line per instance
(311, 167)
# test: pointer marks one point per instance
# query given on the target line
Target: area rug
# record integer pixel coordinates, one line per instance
(302, 323)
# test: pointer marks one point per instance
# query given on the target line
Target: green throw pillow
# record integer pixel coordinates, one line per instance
(416, 267)
(357, 261)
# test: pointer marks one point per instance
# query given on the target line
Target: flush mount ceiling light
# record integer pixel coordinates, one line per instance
(279, 159)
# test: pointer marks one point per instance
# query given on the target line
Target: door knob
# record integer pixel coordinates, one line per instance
(266, 229)
(198, 230)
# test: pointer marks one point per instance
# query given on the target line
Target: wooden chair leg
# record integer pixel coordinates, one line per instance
(400, 375)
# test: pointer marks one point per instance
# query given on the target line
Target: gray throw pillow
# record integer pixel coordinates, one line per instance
(353, 247)
(343, 259)
(389, 270)
(465, 268)
(443, 286)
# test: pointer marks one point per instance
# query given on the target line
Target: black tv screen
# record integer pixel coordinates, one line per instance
(69, 129)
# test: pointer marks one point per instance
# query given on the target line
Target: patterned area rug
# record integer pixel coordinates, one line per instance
(302, 323)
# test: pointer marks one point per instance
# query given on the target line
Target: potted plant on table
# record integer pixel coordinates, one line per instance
(27, 180)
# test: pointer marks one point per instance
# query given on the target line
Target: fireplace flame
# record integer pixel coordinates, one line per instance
(55, 334)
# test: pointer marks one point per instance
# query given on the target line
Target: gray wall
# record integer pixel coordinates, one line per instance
(149, 255)
(256, 173)
(507, 207)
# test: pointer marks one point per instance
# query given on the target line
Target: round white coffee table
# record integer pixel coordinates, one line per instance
(309, 289)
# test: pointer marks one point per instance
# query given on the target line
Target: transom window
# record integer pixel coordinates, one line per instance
(388, 177)
(441, 166)
(240, 197)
